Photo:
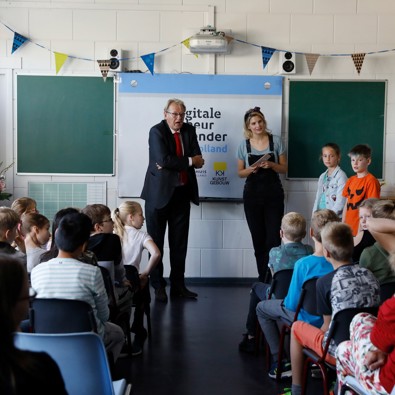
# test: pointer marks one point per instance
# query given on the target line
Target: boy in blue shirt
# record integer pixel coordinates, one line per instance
(269, 312)
(292, 232)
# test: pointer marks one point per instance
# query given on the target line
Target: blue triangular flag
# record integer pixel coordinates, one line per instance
(18, 41)
(267, 54)
(149, 61)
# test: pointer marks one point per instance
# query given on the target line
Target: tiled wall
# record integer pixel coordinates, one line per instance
(220, 244)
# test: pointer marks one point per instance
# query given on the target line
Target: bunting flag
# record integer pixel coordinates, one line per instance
(104, 66)
(60, 58)
(266, 55)
(358, 59)
(187, 44)
(149, 61)
(19, 40)
(311, 59)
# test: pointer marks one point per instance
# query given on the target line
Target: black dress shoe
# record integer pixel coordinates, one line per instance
(160, 295)
(183, 293)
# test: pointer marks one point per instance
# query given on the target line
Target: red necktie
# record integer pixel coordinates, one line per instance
(183, 173)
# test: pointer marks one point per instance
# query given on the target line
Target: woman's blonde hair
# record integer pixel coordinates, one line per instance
(120, 214)
(253, 112)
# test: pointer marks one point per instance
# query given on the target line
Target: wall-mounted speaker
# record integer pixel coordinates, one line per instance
(115, 63)
(287, 63)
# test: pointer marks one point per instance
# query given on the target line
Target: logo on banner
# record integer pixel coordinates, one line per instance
(220, 174)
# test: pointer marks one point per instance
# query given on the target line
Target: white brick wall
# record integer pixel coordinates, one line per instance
(220, 244)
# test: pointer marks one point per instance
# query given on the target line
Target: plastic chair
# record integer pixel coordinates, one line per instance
(133, 276)
(307, 301)
(279, 288)
(118, 317)
(109, 265)
(351, 383)
(339, 331)
(81, 358)
(61, 316)
(387, 291)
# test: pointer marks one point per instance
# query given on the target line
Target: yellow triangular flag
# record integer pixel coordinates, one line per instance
(104, 66)
(186, 43)
(358, 59)
(311, 59)
(60, 58)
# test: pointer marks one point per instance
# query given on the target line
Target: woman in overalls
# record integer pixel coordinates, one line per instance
(263, 193)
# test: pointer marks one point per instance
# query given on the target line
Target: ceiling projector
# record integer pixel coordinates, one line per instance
(208, 40)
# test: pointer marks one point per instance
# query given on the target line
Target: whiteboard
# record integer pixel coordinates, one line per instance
(216, 105)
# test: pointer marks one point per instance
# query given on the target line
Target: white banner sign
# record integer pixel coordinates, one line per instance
(215, 106)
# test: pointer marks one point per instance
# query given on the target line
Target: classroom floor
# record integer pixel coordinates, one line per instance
(194, 349)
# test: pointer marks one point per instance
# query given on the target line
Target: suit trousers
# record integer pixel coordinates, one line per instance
(175, 216)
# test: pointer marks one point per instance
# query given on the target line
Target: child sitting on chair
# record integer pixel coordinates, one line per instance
(369, 355)
(348, 286)
(292, 232)
(128, 220)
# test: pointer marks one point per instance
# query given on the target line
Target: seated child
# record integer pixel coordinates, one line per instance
(128, 220)
(22, 372)
(53, 251)
(363, 238)
(9, 222)
(65, 277)
(292, 232)
(359, 187)
(375, 258)
(369, 355)
(107, 248)
(269, 312)
(362, 290)
(35, 227)
(21, 206)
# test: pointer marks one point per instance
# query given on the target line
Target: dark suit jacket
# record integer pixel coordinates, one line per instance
(159, 185)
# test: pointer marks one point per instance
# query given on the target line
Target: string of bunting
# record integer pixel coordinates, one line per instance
(149, 59)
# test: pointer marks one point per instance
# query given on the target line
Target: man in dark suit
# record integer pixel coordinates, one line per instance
(170, 185)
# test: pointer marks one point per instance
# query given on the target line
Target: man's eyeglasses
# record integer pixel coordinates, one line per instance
(176, 114)
(107, 220)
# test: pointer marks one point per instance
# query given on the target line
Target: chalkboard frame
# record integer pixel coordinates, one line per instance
(323, 106)
(65, 125)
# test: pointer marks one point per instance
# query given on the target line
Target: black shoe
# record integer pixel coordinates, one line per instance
(247, 345)
(183, 292)
(138, 343)
(160, 295)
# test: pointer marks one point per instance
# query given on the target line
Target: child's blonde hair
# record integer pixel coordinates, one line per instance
(369, 203)
(338, 240)
(320, 219)
(33, 219)
(9, 219)
(23, 205)
(120, 214)
(293, 226)
(384, 209)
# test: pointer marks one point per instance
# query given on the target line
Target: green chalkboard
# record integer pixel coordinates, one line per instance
(65, 125)
(344, 112)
